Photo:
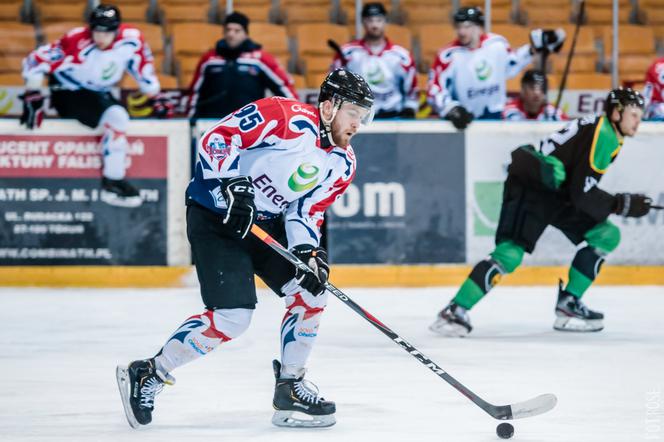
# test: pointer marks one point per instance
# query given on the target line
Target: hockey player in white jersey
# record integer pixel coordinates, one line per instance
(387, 67)
(468, 77)
(82, 67)
(279, 163)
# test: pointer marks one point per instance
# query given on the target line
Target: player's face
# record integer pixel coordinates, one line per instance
(631, 118)
(103, 39)
(533, 98)
(347, 122)
(234, 35)
(468, 33)
(374, 27)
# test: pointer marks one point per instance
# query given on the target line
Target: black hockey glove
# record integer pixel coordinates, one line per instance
(547, 40)
(239, 195)
(459, 117)
(33, 109)
(316, 258)
(634, 205)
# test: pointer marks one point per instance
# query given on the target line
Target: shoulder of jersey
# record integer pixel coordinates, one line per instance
(129, 31)
(492, 39)
(400, 50)
(288, 108)
(449, 49)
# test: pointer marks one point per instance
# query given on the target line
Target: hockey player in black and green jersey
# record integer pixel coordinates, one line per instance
(557, 185)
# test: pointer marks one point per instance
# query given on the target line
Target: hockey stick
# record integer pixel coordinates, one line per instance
(532, 407)
(337, 49)
(568, 62)
(652, 206)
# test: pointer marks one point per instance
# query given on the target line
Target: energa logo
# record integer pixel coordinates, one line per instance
(304, 178)
(482, 70)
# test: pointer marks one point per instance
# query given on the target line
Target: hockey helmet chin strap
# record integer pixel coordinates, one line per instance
(326, 124)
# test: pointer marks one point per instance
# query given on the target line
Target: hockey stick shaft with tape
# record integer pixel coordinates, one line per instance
(531, 407)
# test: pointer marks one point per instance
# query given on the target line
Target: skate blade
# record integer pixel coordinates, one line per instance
(291, 419)
(449, 329)
(122, 377)
(113, 199)
(576, 325)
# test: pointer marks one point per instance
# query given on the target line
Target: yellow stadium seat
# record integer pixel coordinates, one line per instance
(10, 10)
(54, 31)
(516, 35)
(273, 38)
(300, 81)
(312, 38)
(17, 38)
(588, 81)
(194, 38)
(11, 79)
(400, 35)
(48, 12)
(432, 38)
(179, 12)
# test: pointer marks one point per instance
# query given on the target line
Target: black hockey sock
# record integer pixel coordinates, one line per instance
(482, 278)
(585, 267)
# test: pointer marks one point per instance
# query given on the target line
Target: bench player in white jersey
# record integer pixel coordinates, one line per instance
(281, 163)
(654, 91)
(468, 77)
(387, 67)
(82, 67)
(531, 104)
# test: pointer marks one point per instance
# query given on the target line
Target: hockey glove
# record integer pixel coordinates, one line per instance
(316, 258)
(633, 205)
(459, 117)
(241, 212)
(547, 40)
(162, 106)
(33, 109)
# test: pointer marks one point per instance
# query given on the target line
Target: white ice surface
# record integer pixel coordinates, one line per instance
(59, 349)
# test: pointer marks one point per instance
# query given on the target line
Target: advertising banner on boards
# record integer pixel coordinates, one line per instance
(50, 211)
(406, 203)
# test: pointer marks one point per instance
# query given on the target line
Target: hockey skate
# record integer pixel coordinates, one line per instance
(573, 315)
(139, 384)
(452, 321)
(293, 396)
(119, 193)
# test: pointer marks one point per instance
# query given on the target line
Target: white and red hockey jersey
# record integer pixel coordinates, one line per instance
(75, 62)
(653, 91)
(515, 111)
(390, 72)
(475, 78)
(276, 142)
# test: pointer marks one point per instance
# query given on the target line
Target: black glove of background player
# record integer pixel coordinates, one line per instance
(459, 117)
(634, 205)
(316, 259)
(239, 195)
(33, 109)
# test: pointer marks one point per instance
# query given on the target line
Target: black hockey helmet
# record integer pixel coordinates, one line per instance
(469, 13)
(373, 10)
(105, 18)
(534, 77)
(346, 86)
(621, 98)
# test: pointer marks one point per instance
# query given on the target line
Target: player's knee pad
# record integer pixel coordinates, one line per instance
(508, 255)
(200, 334)
(115, 118)
(588, 262)
(604, 237)
(232, 322)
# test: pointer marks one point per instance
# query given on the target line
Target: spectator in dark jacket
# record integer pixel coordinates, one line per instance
(236, 72)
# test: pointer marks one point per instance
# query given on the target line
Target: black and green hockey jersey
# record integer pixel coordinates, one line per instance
(586, 147)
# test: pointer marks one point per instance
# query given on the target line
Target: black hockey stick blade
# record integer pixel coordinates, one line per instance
(653, 206)
(532, 407)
